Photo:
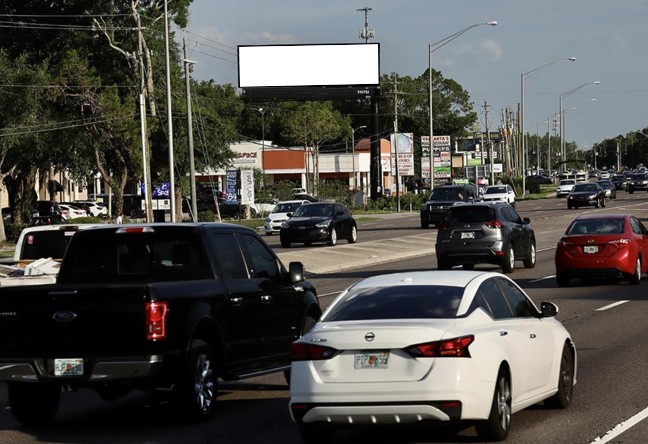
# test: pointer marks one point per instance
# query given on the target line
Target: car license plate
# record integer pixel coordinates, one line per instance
(467, 235)
(591, 249)
(68, 367)
(371, 359)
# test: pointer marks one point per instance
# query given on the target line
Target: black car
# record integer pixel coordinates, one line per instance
(133, 205)
(619, 181)
(485, 232)
(586, 194)
(319, 222)
(47, 208)
(441, 199)
(638, 181)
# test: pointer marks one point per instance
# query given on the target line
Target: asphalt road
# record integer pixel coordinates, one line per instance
(612, 354)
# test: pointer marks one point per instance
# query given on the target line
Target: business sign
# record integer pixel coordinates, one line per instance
(247, 187)
(246, 157)
(158, 204)
(159, 191)
(442, 157)
(403, 144)
(385, 163)
(425, 157)
(231, 188)
(309, 65)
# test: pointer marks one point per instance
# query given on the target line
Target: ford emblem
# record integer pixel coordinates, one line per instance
(64, 316)
(370, 337)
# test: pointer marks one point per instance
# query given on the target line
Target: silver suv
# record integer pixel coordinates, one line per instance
(491, 233)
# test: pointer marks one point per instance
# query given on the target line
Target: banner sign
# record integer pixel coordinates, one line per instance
(425, 157)
(442, 157)
(231, 188)
(247, 187)
(404, 145)
(160, 191)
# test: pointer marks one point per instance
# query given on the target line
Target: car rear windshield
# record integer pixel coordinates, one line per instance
(469, 213)
(584, 187)
(398, 302)
(567, 182)
(597, 226)
(104, 256)
(448, 194)
(43, 244)
(605, 184)
(618, 178)
(286, 207)
(495, 190)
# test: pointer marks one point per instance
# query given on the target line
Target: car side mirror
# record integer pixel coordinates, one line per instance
(548, 309)
(340, 213)
(526, 221)
(289, 215)
(296, 271)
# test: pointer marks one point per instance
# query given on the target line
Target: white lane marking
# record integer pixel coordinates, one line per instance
(622, 427)
(328, 294)
(542, 279)
(545, 249)
(607, 307)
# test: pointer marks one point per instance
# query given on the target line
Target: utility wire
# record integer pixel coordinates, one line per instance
(212, 47)
(215, 57)
(68, 127)
(210, 40)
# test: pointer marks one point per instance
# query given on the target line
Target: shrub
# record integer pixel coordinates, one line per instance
(86, 220)
(206, 216)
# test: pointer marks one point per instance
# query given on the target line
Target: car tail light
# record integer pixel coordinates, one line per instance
(300, 410)
(156, 313)
(307, 352)
(494, 224)
(442, 226)
(564, 244)
(457, 347)
(620, 242)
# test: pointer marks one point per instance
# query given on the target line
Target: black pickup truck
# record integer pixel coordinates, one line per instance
(170, 307)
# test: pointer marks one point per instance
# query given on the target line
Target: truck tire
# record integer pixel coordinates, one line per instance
(198, 384)
(33, 404)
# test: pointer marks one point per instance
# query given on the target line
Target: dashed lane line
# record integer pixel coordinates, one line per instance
(542, 279)
(615, 304)
(622, 427)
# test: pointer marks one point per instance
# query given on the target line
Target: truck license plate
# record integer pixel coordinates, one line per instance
(68, 367)
(591, 249)
(467, 235)
(371, 359)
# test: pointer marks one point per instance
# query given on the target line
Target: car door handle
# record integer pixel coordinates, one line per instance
(532, 335)
(266, 299)
(236, 301)
(503, 332)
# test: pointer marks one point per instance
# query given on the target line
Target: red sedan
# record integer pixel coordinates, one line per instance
(602, 245)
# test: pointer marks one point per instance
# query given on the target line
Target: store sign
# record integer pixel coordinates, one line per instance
(246, 157)
(442, 157)
(385, 163)
(231, 189)
(425, 157)
(404, 145)
(247, 187)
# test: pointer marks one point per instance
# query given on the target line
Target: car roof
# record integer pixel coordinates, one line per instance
(453, 278)
(479, 204)
(59, 227)
(216, 225)
(602, 216)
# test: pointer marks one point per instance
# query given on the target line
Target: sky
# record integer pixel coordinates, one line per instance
(609, 39)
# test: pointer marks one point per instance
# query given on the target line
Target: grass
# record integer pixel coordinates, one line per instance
(366, 219)
(6, 253)
(250, 223)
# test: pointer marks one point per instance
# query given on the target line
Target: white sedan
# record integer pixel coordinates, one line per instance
(437, 345)
(500, 193)
(72, 212)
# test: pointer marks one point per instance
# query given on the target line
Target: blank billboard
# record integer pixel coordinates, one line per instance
(309, 65)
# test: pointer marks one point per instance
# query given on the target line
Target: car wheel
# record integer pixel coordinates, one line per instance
(33, 404)
(508, 263)
(332, 238)
(354, 235)
(569, 207)
(198, 384)
(630, 191)
(285, 243)
(468, 266)
(134, 213)
(635, 278)
(562, 280)
(603, 203)
(530, 260)
(563, 397)
(268, 233)
(425, 225)
(444, 264)
(316, 433)
(498, 424)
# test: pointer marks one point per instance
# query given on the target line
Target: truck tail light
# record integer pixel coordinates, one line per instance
(457, 347)
(494, 224)
(156, 313)
(307, 352)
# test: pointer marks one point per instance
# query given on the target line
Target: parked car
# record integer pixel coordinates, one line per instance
(500, 193)
(69, 212)
(54, 219)
(280, 214)
(619, 181)
(441, 199)
(319, 222)
(227, 210)
(307, 197)
(133, 206)
(565, 187)
(96, 209)
(47, 208)
(638, 181)
(491, 233)
(608, 187)
(602, 245)
(194, 303)
(540, 179)
(80, 205)
(586, 194)
(438, 346)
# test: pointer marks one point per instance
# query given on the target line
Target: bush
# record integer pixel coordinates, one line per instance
(12, 232)
(86, 220)
(516, 183)
(206, 216)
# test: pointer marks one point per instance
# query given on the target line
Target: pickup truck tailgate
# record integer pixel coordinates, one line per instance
(63, 321)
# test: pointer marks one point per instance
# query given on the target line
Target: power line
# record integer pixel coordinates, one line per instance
(67, 86)
(68, 127)
(53, 123)
(210, 40)
(65, 15)
(212, 47)
(54, 27)
(215, 57)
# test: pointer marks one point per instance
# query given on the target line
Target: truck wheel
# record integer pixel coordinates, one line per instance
(198, 384)
(33, 404)
(425, 225)
(285, 243)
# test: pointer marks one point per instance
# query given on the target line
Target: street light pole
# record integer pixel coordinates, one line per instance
(431, 48)
(562, 116)
(262, 111)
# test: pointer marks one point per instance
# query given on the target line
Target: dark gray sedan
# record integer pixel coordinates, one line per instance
(586, 194)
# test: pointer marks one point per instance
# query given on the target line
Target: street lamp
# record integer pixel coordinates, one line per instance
(431, 48)
(353, 130)
(562, 116)
(523, 77)
(262, 111)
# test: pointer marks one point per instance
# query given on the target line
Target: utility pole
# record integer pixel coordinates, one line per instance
(192, 165)
(396, 142)
(366, 33)
(146, 167)
(169, 115)
(490, 145)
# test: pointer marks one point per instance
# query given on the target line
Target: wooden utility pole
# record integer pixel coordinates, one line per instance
(192, 164)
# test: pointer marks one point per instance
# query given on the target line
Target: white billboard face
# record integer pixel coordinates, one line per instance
(309, 65)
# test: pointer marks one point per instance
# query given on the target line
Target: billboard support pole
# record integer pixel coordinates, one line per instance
(375, 150)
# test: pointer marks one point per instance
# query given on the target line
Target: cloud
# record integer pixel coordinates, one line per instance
(619, 42)
(266, 36)
(493, 47)
(212, 33)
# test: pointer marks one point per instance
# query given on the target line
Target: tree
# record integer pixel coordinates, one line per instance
(315, 124)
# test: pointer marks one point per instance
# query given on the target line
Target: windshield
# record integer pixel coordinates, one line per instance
(286, 207)
(605, 184)
(584, 187)
(597, 226)
(639, 176)
(618, 178)
(43, 244)
(447, 194)
(398, 302)
(495, 190)
(314, 210)
(567, 182)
